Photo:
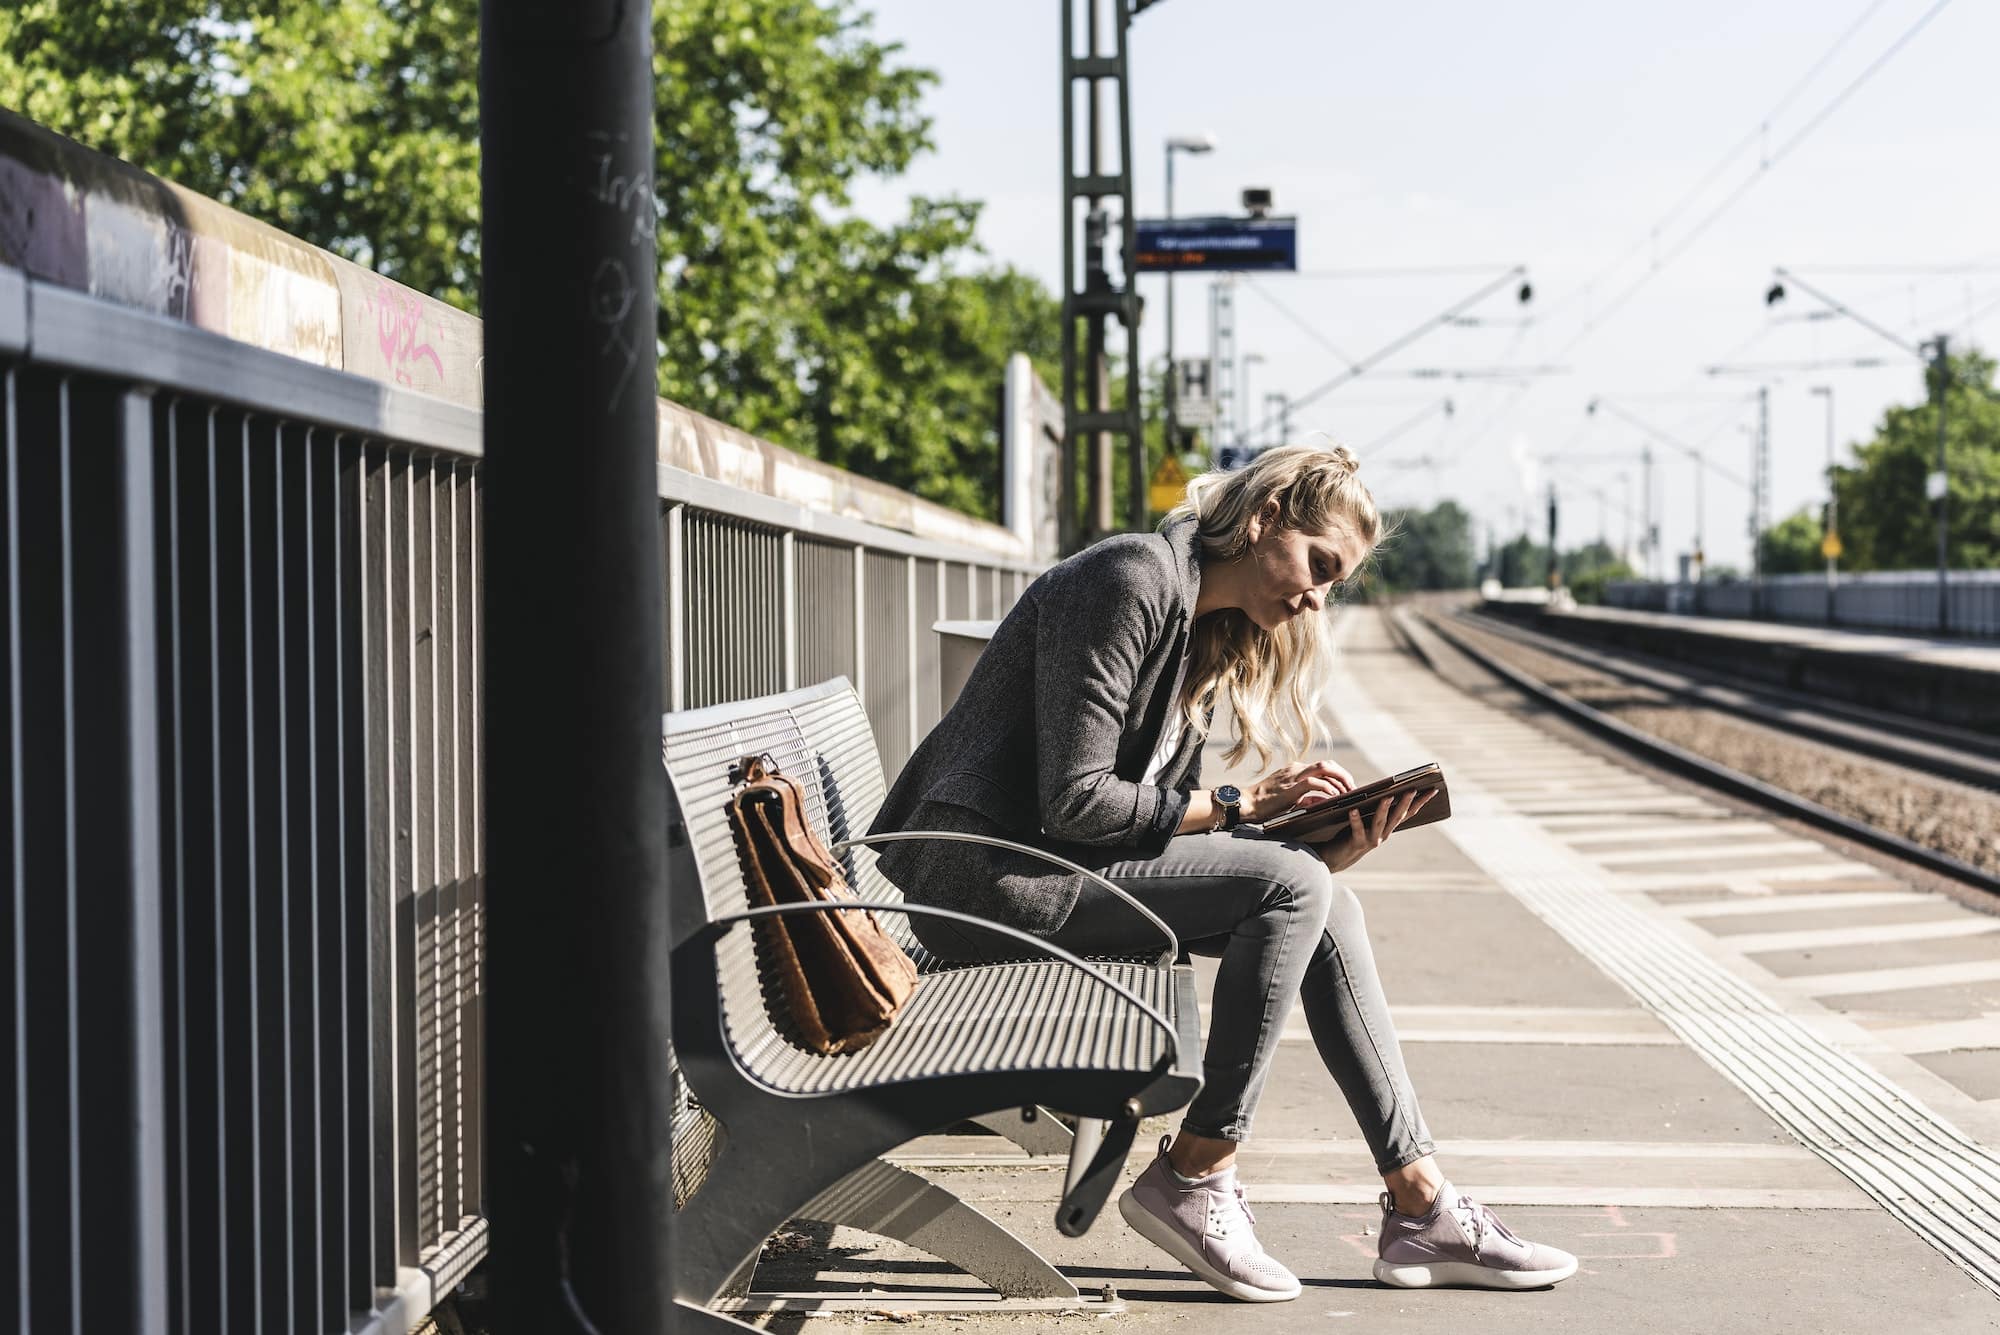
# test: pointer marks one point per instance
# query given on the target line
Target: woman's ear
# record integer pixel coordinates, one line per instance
(1263, 521)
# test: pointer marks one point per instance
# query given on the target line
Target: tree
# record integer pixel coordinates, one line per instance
(1791, 546)
(1522, 563)
(1426, 549)
(353, 124)
(1587, 569)
(1886, 522)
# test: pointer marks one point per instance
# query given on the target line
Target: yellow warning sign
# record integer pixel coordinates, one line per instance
(1167, 486)
(1829, 546)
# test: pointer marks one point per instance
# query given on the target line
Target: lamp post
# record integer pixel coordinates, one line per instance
(1180, 143)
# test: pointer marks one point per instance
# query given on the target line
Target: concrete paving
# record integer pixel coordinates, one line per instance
(1587, 1115)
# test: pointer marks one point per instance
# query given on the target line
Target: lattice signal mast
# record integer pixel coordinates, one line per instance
(1095, 54)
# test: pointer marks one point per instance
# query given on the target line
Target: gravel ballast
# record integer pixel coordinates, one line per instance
(1952, 818)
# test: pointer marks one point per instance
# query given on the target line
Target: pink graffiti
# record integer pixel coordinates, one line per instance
(398, 320)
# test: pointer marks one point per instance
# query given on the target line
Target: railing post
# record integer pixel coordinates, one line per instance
(148, 1203)
(789, 607)
(582, 1093)
(861, 622)
(913, 694)
(676, 613)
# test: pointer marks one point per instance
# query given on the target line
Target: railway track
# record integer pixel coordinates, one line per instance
(1897, 770)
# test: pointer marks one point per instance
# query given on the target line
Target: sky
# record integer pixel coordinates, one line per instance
(1648, 164)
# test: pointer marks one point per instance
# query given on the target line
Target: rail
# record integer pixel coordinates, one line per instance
(240, 563)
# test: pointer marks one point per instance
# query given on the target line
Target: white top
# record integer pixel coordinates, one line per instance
(1170, 742)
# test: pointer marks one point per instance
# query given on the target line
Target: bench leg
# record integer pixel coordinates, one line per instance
(885, 1200)
(1043, 1134)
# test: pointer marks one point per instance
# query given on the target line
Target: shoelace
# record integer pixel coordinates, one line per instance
(1475, 1217)
(1483, 1221)
(1220, 1220)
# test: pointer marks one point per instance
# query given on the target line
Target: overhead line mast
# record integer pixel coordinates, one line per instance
(1095, 299)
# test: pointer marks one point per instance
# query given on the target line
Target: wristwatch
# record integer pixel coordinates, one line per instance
(1230, 798)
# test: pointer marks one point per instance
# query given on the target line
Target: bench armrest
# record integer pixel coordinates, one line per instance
(1168, 957)
(709, 933)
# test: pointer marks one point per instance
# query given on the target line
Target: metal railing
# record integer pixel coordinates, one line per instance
(763, 596)
(1887, 600)
(244, 820)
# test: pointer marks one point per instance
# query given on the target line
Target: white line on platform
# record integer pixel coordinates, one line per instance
(1575, 1026)
(1352, 1152)
(1828, 938)
(1893, 980)
(1947, 1036)
(1676, 831)
(1519, 1195)
(1777, 848)
(1734, 876)
(1570, 806)
(1836, 899)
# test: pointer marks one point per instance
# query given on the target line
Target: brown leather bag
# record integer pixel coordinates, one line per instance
(842, 978)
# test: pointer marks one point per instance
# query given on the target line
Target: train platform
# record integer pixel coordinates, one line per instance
(1955, 683)
(1749, 1078)
(1872, 644)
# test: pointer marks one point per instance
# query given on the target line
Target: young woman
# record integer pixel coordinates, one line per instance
(1081, 731)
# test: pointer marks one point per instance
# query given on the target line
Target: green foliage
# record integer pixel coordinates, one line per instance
(1426, 549)
(1587, 569)
(1521, 563)
(1791, 546)
(353, 124)
(1886, 522)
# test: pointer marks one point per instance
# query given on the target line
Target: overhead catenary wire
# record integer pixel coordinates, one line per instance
(1735, 151)
(1312, 330)
(1770, 160)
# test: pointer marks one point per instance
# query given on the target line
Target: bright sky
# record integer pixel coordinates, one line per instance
(1558, 134)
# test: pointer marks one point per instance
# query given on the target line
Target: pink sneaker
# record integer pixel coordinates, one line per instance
(1206, 1226)
(1460, 1242)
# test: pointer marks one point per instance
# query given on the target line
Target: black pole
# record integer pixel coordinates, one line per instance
(1944, 493)
(579, 1090)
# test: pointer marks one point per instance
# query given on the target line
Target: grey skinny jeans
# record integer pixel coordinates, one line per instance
(1281, 925)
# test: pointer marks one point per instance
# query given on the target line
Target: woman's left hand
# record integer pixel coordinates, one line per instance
(1360, 838)
(1305, 785)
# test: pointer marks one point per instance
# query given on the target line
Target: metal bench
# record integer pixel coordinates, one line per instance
(769, 1131)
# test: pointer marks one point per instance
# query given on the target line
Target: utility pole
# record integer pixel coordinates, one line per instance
(1940, 489)
(1096, 300)
(1760, 498)
(578, 1078)
(1186, 143)
(1648, 530)
(1830, 544)
(1247, 404)
(1555, 569)
(1222, 363)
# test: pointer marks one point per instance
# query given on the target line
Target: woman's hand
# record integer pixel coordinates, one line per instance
(1360, 839)
(1294, 786)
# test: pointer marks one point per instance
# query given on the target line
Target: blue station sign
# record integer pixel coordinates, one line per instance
(1220, 245)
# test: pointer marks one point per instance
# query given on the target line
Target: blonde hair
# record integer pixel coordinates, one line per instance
(1270, 679)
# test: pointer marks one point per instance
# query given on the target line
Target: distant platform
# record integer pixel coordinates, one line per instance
(1946, 681)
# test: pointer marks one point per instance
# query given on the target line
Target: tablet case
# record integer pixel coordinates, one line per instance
(1317, 824)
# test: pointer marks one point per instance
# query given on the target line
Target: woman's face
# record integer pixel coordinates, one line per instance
(1291, 572)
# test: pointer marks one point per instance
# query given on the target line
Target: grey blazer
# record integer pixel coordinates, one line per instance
(1054, 729)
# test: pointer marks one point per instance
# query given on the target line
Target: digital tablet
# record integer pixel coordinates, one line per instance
(1325, 820)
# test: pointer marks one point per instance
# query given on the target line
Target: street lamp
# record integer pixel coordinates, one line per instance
(1180, 143)
(1831, 545)
(1936, 352)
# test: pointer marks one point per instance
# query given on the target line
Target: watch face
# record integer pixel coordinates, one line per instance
(1228, 795)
